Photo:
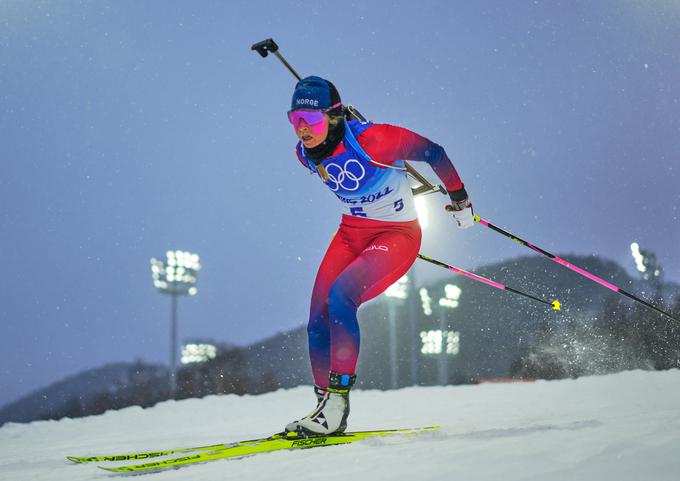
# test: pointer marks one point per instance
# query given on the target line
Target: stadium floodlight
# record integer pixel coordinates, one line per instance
(176, 275)
(453, 293)
(638, 257)
(438, 342)
(646, 262)
(399, 289)
(425, 301)
(197, 353)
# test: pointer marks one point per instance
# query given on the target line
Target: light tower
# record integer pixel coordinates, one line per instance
(442, 342)
(450, 339)
(398, 290)
(176, 275)
(413, 296)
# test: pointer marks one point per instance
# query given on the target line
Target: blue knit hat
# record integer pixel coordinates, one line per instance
(314, 93)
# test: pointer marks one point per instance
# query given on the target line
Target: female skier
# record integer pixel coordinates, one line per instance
(379, 235)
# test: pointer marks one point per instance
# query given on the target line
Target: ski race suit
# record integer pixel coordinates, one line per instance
(379, 236)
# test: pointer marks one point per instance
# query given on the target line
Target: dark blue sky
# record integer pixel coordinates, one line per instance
(128, 128)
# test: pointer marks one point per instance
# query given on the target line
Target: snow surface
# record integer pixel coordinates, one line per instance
(620, 427)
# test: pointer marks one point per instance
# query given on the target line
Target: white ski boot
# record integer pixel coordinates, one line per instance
(332, 409)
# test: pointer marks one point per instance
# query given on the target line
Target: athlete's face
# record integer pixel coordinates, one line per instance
(312, 135)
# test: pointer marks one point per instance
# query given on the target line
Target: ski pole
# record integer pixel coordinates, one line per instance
(574, 268)
(269, 45)
(555, 305)
(265, 47)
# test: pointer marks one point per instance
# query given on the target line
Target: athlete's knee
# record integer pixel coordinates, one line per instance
(341, 299)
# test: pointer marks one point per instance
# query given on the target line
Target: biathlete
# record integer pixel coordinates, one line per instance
(362, 163)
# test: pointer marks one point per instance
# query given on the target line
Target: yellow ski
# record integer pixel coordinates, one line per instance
(277, 442)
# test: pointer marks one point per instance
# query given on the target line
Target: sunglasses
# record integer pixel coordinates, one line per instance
(311, 117)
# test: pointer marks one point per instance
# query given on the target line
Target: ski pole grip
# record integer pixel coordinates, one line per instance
(265, 46)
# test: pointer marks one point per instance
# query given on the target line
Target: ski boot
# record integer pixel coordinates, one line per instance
(332, 409)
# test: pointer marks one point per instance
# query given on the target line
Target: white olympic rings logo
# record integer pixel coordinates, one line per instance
(344, 177)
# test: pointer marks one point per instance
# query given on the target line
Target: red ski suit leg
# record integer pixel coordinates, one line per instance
(364, 258)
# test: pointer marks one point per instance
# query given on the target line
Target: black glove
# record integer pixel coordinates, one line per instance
(459, 199)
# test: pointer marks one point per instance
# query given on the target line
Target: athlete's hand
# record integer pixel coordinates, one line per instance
(461, 208)
(464, 218)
